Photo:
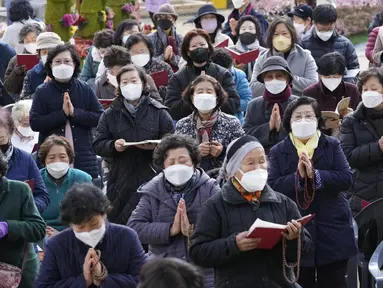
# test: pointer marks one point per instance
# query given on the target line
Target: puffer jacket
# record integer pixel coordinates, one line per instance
(47, 117)
(371, 44)
(243, 90)
(378, 48)
(34, 78)
(337, 43)
(131, 168)
(89, 71)
(154, 215)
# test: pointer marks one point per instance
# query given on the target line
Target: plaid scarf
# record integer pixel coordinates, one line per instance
(251, 197)
(203, 128)
(182, 192)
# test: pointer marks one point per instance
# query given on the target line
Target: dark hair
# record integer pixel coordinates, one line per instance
(127, 24)
(3, 165)
(325, 14)
(52, 141)
(299, 102)
(175, 141)
(186, 43)
(258, 30)
(331, 64)
(367, 74)
(219, 91)
(82, 202)
(273, 26)
(222, 57)
(7, 121)
(170, 272)
(29, 28)
(137, 38)
(141, 74)
(103, 38)
(116, 55)
(199, 26)
(20, 10)
(59, 49)
(311, 3)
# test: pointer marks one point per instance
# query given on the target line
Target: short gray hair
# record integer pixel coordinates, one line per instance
(20, 110)
(29, 28)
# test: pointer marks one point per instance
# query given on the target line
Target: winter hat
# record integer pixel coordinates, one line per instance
(47, 40)
(274, 63)
(166, 9)
(206, 10)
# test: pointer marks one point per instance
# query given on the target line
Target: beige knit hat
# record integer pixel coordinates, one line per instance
(166, 9)
(48, 40)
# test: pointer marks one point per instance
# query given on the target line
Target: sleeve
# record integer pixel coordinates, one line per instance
(257, 88)
(40, 193)
(30, 227)
(166, 125)
(237, 130)
(310, 75)
(86, 72)
(352, 63)
(14, 77)
(244, 92)
(207, 248)
(178, 108)
(154, 94)
(231, 106)
(378, 48)
(149, 231)
(370, 45)
(103, 143)
(26, 92)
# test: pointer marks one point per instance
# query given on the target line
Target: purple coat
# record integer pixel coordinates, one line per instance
(154, 215)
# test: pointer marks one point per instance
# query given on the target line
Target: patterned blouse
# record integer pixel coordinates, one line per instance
(155, 65)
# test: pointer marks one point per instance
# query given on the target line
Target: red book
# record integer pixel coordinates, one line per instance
(160, 78)
(34, 149)
(365, 204)
(105, 102)
(223, 44)
(31, 183)
(243, 58)
(271, 233)
(29, 60)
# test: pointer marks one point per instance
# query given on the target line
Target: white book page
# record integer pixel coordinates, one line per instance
(264, 224)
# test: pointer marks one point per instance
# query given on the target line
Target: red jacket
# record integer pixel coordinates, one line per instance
(371, 43)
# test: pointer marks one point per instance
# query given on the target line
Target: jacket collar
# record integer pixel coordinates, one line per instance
(3, 187)
(360, 114)
(341, 90)
(293, 50)
(335, 35)
(40, 68)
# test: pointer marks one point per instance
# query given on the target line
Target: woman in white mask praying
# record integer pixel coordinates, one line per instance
(212, 129)
(362, 140)
(133, 116)
(220, 235)
(57, 155)
(310, 168)
(171, 202)
(92, 252)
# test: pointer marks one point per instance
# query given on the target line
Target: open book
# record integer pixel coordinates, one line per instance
(343, 104)
(127, 144)
(243, 58)
(271, 233)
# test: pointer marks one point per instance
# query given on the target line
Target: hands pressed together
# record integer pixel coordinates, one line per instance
(305, 167)
(275, 119)
(91, 262)
(68, 106)
(168, 53)
(213, 148)
(181, 222)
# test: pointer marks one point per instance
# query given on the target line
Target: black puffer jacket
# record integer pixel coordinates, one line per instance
(180, 80)
(131, 168)
(359, 141)
(224, 216)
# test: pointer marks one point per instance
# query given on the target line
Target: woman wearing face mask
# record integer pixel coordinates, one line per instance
(132, 117)
(362, 140)
(302, 18)
(282, 41)
(93, 252)
(311, 169)
(263, 118)
(15, 73)
(142, 52)
(331, 88)
(212, 129)
(57, 156)
(196, 50)
(67, 107)
(124, 30)
(220, 238)
(38, 75)
(166, 41)
(170, 203)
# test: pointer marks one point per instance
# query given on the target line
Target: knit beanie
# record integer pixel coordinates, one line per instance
(166, 9)
(48, 40)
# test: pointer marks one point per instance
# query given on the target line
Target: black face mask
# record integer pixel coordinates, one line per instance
(164, 24)
(247, 38)
(200, 55)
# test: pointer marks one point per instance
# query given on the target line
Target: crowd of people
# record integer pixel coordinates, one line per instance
(123, 180)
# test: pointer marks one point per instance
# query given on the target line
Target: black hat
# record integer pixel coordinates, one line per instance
(274, 63)
(302, 11)
(208, 9)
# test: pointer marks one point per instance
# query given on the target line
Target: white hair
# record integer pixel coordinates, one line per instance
(21, 109)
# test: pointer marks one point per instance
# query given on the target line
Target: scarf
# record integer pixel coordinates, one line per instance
(251, 197)
(309, 147)
(244, 48)
(203, 128)
(22, 137)
(9, 152)
(131, 108)
(186, 191)
(376, 119)
(280, 98)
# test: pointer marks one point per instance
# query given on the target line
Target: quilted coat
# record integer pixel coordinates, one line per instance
(243, 90)
(371, 44)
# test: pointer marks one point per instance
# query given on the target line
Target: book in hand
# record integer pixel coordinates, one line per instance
(106, 102)
(160, 78)
(223, 44)
(243, 58)
(271, 233)
(27, 60)
(128, 144)
(342, 105)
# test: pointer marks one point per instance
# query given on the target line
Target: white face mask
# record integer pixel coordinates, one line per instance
(132, 92)
(300, 28)
(31, 47)
(331, 83)
(254, 180)
(141, 59)
(96, 56)
(205, 102)
(112, 79)
(237, 3)
(58, 169)
(178, 174)
(324, 35)
(372, 99)
(25, 131)
(209, 25)
(275, 86)
(125, 38)
(62, 72)
(304, 129)
(44, 59)
(91, 238)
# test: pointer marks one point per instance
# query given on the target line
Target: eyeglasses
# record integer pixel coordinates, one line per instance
(59, 62)
(309, 116)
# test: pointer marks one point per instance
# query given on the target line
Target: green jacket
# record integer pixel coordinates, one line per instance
(56, 192)
(25, 225)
